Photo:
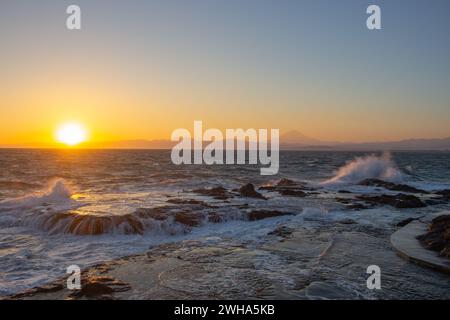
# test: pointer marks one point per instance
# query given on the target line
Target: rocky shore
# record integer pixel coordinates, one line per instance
(437, 237)
(289, 261)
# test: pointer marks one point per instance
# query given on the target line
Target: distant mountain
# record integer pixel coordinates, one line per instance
(292, 140)
(410, 144)
(295, 137)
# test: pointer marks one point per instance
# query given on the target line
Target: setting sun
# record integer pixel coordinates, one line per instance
(71, 134)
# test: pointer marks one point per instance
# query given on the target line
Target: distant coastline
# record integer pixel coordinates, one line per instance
(292, 141)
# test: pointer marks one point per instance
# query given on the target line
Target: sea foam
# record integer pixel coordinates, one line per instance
(58, 191)
(368, 167)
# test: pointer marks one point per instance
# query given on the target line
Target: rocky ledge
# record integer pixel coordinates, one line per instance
(437, 237)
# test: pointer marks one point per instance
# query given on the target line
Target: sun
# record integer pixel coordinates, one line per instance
(71, 134)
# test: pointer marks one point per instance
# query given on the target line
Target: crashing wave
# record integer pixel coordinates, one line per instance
(57, 192)
(368, 167)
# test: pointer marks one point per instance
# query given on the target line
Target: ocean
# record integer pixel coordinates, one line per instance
(82, 207)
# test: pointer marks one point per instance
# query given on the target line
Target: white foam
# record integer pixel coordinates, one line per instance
(368, 167)
(58, 191)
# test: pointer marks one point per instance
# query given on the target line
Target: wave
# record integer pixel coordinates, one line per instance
(166, 220)
(368, 167)
(58, 191)
(54, 211)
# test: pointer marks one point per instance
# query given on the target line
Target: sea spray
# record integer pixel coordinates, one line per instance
(57, 191)
(368, 167)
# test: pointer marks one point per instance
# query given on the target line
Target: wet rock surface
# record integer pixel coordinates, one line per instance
(191, 219)
(401, 201)
(190, 202)
(286, 187)
(282, 231)
(50, 288)
(99, 287)
(293, 263)
(219, 193)
(405, 222)
(264, 214)
(444, 193)
(249, 191)
(391, 186)
(438, 236)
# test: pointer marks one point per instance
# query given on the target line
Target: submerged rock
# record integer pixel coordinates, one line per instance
(357, 207)
(391, 186)
(438, 236)
(282, 231)
(286, 183)
(191, 219)
(405, 222)
(219, 193)
(249, 191)
(264, 214)
(189, 202)
(444, 193)
(97, 286)
(398, 201)
(435, 201)
(49, 288)
(93, 289)
(158, 213)
(292, 193)
(86, 224)
(287, 187)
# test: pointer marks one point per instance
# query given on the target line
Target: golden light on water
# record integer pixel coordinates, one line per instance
(71, 134)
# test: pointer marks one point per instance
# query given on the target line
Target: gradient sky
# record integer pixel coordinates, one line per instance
(140, 69)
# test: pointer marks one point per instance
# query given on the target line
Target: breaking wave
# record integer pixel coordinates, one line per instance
(58, 191)
(54, 211)
(368, 167)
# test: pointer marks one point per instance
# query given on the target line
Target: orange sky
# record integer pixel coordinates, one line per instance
(143, 72)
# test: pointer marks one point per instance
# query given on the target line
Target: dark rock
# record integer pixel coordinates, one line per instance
(264, 214)
(438, 236)
(219, 193)
(344, 191)
(435, 202)
(391, 186)
(343, 200)
(158, 213)
(249, 191)
(347, 221)
(357, 207)
(287, 187)
(98, 287)
(444, 193)
(93, 289)
(215, 217)
(191, 219)
(398, 201)
(55, 287)
(87, 224)
(405, 222)
(286, 183)
(189, 202)
(282, 231)
(292, 193)
(351, 204)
